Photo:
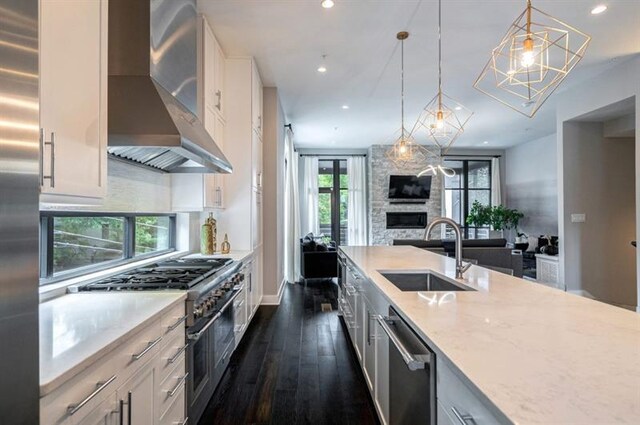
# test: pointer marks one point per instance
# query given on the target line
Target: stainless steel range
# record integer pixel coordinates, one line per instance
(212, 285)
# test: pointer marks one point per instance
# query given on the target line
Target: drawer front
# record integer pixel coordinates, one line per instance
(172, 387)
(114, 369)
(174, 321)
(172, 354)
(175, 415)
(54, 407)
(457, 399)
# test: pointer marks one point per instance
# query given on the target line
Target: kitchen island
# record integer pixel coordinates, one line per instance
(528, 353)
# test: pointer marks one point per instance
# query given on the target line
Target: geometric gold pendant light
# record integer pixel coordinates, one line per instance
(404, 150)
(443, 119)
(533, 58)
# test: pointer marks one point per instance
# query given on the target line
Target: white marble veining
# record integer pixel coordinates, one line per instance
(77, 329)
(540, 355)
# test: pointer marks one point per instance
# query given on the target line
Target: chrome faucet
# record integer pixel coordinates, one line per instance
(460, 268)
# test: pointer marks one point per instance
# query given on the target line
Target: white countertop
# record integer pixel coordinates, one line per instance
(77, 329)
(540, 355)
(234, 255)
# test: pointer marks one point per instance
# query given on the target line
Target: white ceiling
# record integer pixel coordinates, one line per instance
(288, 38)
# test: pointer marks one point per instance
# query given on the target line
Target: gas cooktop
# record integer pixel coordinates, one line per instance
(182, 273)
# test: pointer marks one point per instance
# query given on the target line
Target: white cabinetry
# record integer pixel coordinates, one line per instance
(200, 192)
(136, 398)
(548, 270)
(257, 101)
(243, 215)
(73, 100)
(458, 400)
(139, 382)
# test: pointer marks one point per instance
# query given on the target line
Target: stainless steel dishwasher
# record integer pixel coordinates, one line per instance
(412, 377)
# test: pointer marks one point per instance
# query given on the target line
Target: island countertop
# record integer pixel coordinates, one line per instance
(538, 354)
(77, 329)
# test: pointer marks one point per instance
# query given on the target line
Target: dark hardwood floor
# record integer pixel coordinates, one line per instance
(295, 365)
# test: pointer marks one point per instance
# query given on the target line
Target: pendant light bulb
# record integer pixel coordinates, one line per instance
(528, 55)
(440, 120)
(403, 147)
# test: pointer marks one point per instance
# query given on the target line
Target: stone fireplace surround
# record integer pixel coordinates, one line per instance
(380, 168)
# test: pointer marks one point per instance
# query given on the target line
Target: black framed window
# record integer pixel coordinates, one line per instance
(76, 243)
(333, 195)
(471, 183)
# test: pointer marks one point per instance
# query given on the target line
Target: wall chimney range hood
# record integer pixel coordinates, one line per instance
(153, 86)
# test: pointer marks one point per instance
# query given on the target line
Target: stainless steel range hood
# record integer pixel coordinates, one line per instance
(153, 86)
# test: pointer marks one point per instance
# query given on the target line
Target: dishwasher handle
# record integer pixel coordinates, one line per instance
(414, 362)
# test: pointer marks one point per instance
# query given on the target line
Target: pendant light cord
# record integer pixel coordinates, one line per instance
(439, 54)
(402, 84)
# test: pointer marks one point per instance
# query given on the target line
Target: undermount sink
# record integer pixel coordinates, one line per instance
(422, 281)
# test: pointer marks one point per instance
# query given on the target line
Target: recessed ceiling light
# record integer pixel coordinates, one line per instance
(598, 9)
(327, 4)
(458, 108)
(486, 142)
(322, 69)
(345, 106)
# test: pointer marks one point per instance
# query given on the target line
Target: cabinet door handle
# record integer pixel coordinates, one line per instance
(463, 419)
(146, 350)
(129, 406)
(73, 408)
(175, 325)
(177, 387)
(41, 140)
(52, 176)
(219, 96)
(175, 356)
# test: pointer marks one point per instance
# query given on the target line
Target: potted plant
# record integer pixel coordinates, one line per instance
(499, 217)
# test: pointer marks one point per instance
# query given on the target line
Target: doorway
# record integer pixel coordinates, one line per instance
(333, 194)
(600, 204)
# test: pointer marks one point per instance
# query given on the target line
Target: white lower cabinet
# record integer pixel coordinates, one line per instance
(136, 398)
(459, 401)
(361, 304)
(140, 382)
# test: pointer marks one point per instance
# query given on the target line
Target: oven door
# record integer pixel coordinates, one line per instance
(200, 352)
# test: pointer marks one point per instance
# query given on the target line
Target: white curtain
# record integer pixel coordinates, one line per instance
(357, 201)
(291, 213)
(310, 194)
(496, 190)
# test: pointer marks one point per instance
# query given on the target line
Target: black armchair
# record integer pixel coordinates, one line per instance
(317, 261)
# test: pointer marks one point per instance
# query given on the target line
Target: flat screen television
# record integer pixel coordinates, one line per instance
(409, 188)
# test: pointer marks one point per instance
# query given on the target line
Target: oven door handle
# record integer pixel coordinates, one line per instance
(197, 335)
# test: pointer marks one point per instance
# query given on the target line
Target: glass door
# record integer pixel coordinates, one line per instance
(332, 199)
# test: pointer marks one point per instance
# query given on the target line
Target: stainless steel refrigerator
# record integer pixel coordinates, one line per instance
(19, 171)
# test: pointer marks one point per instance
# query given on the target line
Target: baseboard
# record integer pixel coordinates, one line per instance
(582, 293)
(274, 299)
(587, 294)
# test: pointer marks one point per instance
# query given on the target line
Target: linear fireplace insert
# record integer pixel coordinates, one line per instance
(406, 220)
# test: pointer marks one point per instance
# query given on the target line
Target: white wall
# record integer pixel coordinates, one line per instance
(614, 85)
(531, 185)
(599, 259)
(273, 195)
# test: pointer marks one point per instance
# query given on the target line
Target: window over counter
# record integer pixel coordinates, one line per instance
(76, 243)
(472, 182)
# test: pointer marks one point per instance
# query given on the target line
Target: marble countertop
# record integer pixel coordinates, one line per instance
(234, 255)
(77, 329)
(540, 355)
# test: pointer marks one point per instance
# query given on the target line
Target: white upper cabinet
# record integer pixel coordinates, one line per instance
(256, 101)
(213, 62)
(73, 100)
